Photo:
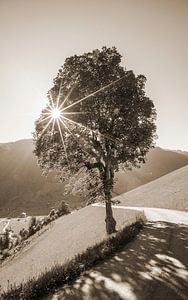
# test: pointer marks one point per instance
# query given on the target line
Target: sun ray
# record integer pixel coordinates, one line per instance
(49, 116)
(52, 132)
(53, 105)
(63, 143)
(81, 125)
(68, 95)
(64, 124)
(76, 123)
(50, 108)
(53, 124)
(74, 113)
(94, 93)
(45, 128)
(58, 97)
(46, 113)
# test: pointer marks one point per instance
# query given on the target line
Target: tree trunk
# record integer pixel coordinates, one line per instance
(110, 221)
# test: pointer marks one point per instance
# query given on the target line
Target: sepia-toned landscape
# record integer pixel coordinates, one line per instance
(93, 150)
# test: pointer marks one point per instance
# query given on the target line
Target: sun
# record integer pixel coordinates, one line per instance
(56, 113)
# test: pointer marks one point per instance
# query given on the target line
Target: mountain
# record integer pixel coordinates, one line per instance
(159, 162)
(23, 188)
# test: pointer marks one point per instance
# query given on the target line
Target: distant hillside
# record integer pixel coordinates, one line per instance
(22, 188)
(159, 162)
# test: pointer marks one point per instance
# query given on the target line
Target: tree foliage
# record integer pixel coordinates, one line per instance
(108, 121)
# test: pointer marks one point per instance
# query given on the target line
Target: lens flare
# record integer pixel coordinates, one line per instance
(55, 113)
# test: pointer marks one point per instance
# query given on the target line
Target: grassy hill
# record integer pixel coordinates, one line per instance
(24, 189)
(68, 235)
(169, 191)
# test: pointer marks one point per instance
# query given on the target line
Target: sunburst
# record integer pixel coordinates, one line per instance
(56, 114)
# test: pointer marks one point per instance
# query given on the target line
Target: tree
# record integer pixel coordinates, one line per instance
(63, 209)
(98, 119)
(32, 225)
(6, 240)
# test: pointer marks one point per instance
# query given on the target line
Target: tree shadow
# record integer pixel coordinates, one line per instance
(153, 266)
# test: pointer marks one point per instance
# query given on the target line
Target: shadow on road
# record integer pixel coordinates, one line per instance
(154, 266)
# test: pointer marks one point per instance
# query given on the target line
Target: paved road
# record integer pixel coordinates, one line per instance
(4, 223)
(153, 266)
(157, 214)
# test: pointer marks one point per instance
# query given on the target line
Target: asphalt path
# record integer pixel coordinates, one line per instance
(157, 214)
(153, 266)
(5, 223)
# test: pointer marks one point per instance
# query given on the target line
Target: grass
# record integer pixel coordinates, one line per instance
(59, 275)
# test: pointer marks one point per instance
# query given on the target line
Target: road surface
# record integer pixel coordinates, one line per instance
(156, 214)
(153, 266)
(4, 223)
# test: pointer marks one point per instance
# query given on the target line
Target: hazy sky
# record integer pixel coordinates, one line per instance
(37, 35)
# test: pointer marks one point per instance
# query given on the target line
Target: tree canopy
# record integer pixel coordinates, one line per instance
(97, 118)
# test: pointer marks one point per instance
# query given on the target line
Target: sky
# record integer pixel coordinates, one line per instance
(37, 35)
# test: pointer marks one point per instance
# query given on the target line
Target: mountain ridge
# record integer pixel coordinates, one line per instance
(23, 188)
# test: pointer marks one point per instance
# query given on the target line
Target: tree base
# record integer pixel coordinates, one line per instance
(110, 225)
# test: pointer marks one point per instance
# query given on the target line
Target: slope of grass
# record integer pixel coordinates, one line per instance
(59, 275)
(16, 224)
(70, 235)
(169, 191)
